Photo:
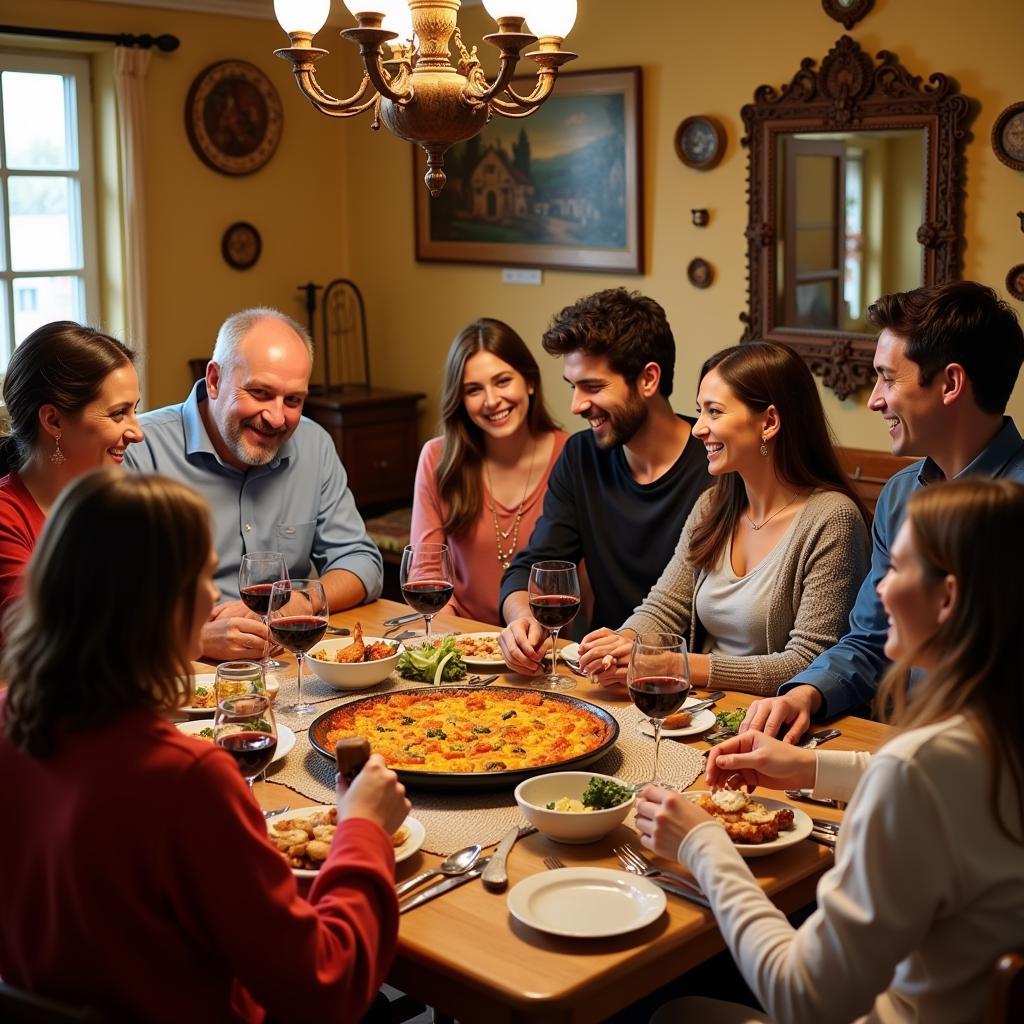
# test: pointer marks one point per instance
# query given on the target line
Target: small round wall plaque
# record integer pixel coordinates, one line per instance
(1015, 282)
(700, 142)
(699, 273)
(241, 245)
(1008, 136)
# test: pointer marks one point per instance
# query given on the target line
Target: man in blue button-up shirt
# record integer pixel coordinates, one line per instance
(946, 361)
(273, 478)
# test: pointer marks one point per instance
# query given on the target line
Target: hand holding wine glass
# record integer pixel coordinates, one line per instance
(297, 618)
(554, 591)
(426, 579)
(658, 680)
(257, 574)
(245, 727)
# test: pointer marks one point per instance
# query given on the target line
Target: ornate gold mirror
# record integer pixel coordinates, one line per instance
(855, 183)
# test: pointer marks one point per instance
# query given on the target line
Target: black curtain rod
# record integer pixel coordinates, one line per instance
(165, 42)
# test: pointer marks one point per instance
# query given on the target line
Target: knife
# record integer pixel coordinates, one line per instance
(804, 795)
(440, 887)
(495, 877)
(816, 739)
(399, 619)
(678, 890)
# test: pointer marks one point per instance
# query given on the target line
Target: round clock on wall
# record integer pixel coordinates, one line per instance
(241, 246)
(1008, 136)
(700, 142)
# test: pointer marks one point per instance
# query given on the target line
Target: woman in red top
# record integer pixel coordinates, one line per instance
(136, 875)
(71, 394)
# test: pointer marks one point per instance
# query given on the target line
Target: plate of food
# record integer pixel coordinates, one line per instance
(586, 903)
(204, 703)
(757, 825)
(480, 650)
(448, 737)
(204, 731)
(681, 724)
(304, 836)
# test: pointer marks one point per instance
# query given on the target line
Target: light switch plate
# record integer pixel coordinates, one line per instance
(512, 275)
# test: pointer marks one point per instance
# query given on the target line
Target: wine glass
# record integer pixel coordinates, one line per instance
(245, 727)
(426, 579)
(658, 679)
(259, 571)
(297, 618)
(554, 601)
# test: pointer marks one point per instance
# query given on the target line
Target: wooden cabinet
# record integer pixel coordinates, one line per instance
(376, 435)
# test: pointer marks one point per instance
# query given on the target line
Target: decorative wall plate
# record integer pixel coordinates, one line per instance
(1015, 282)
(699, 273)
(1008, 136)
(233, 117)
(241, 245)
(700, 142)
(849, 12)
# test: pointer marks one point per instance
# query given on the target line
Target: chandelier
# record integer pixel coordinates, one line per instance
(417, 93)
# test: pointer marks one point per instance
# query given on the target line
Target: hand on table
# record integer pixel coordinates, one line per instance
(604, 656)
(753, 759)
(793, 708)
(664, 818)
(522, 642)
(234, 632)
(375, 794)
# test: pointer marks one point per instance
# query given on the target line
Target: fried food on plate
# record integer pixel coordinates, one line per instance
(680, 720)
(355, 650)
(745, 820)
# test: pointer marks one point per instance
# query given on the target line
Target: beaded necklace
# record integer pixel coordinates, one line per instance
(511, 535)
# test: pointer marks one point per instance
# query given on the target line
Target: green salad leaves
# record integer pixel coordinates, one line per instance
(602, 794)
(430, 664)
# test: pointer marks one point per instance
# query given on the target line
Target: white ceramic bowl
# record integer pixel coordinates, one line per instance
(535, 793)
(357, 676)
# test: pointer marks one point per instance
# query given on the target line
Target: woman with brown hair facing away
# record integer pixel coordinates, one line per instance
(771, 557)
(71, 394)
(139, 879)
(480, 486)
(928, 884)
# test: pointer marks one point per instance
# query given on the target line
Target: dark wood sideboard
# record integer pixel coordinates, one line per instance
(376, 435)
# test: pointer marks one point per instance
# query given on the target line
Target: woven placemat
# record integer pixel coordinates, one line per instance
(454, 820)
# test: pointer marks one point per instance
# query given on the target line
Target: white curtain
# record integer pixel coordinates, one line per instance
(130, 67)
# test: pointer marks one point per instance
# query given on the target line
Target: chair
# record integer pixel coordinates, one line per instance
(17, 1007)
(197, 368)
(1006, 996)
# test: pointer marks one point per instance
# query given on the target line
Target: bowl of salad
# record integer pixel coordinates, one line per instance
(575, 807)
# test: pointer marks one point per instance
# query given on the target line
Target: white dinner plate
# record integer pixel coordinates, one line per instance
(417, 833)
(802, 828)
(700, 722)
(586, 902)
(207, 680)
(571, 651)
(285, 737)
(474, 661)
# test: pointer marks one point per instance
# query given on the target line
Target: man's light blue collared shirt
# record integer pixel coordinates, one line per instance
(298, 504)
(848, 674)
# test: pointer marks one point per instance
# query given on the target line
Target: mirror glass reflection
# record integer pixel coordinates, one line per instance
(850, 204)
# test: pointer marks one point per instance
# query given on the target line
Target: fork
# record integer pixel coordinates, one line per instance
(553, 863)
(637, 862)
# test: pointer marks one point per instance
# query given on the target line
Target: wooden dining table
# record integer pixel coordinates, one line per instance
(466, 956)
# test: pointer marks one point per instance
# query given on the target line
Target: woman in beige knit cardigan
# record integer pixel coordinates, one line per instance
(771, 557)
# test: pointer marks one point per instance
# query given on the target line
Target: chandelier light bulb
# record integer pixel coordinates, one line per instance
(302, 15)
(397, 18)
(551, 17)
(499, 9)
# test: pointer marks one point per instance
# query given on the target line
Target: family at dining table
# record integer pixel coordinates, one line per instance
(737, 529)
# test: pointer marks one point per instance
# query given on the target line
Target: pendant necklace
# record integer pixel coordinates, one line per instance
(507, 540)
(764, 522)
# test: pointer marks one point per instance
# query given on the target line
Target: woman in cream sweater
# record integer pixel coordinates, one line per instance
(771, 557)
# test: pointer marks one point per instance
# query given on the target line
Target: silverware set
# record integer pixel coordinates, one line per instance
(804, 795)
(637, 863)
(825, 832)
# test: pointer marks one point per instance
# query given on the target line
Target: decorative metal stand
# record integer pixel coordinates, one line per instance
(342, 333)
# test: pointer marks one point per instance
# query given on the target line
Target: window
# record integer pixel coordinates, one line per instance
(47, 205)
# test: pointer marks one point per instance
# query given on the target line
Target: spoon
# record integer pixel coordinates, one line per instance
(457, 863)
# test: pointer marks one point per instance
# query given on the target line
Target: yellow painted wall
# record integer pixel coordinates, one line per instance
(697, 58)
(337, 199)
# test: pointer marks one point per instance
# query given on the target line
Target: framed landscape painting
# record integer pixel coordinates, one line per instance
(560, 188)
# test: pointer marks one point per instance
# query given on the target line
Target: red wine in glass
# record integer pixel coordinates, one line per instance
(257, 597)
(658, 680)
(252, 751)
(297, 633)
(554, 611)
(554, 593)
(428, 597)
(258, 572)
(426, 579)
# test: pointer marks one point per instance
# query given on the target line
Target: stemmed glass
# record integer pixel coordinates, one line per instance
(245, 727)
(259, 571)
(658, 679)
(426, 579)
(554, 601)
(297, 618)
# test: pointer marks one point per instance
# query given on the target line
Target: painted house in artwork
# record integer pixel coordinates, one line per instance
(499, 189)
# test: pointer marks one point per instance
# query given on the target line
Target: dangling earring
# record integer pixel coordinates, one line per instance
(764, 448)
(57, 458)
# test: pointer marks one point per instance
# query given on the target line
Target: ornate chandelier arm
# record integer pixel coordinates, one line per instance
(303, 59)
(506, 109)
(370, 41)
(542, 90)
